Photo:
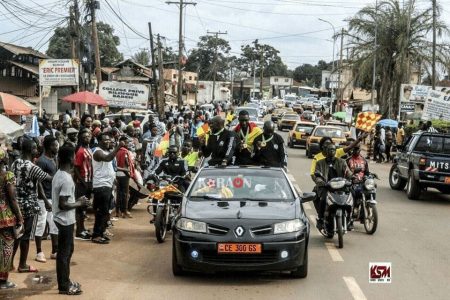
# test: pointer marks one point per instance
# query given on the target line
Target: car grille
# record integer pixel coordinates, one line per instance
(261, 230)
(219, 230)
(264, 257)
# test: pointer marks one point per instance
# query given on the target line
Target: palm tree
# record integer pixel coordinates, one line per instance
(403, 34)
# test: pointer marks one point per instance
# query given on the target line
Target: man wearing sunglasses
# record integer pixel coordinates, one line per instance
(174, 166)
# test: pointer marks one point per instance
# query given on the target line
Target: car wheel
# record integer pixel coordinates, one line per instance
(177, 270)
(302, 271)
(291, 144)
(395, 181)
(413, 187)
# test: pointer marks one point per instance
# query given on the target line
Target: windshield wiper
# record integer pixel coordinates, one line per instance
(207, 197)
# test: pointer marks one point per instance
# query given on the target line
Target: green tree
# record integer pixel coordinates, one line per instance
(270, 61)
(204, 58)
(402, 43)
(311, 75)
(142, 57)
(59, 46)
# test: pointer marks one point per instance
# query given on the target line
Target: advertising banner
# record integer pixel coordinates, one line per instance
(406, 107)
(125, 95)
(58, 72)
(415, 93)
(437, 106)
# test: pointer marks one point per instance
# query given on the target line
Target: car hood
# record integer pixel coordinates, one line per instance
(213, 209)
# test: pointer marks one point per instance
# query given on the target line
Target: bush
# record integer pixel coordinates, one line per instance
(440, 125)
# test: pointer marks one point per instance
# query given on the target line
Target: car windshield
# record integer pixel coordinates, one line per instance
(330, 132)
(251, 111)
(241, 184)
(291, 117)
(305, 128)
(434, 144)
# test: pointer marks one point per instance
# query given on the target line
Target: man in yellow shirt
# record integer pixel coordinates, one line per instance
(400, 134)
(190, 156)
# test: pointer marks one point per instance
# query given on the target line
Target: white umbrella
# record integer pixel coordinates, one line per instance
(9, 128)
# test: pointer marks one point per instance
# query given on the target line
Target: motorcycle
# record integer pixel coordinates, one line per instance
(339, 203)
(165, 199)
(365, 209)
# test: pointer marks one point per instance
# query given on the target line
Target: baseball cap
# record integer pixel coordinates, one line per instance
(71, 130)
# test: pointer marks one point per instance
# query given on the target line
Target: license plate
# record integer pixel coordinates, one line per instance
(239, 248)
(447, 180)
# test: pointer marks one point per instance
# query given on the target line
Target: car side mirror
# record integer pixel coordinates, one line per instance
(307, 197)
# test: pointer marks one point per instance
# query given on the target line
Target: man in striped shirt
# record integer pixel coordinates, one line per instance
(83, 178)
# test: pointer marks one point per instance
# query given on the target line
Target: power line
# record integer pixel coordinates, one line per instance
(125, 23)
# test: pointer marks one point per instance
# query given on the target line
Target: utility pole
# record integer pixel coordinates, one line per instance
(433, 59)
(216, 34)
(254, 70)
(374, 70)
(181, 4)
(232, 80)
(93, 5)
(161, 98)
(261, 71)
(341, 93)
(153, 82)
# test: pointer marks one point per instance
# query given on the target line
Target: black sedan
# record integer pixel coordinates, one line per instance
(241, 219)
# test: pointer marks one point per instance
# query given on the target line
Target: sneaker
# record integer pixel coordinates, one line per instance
(40, 257)
(114, 219)
(53, 255)
(84, 236)
(108, 233)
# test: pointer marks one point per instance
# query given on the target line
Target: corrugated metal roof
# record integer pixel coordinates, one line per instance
(22, 50)
(31, 68)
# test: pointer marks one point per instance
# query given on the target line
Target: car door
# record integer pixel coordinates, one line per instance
(404, 156)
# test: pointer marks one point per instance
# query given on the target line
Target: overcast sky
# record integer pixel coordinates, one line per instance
(291, 26)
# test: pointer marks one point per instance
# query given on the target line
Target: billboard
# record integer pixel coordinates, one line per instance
(415, 93)
(125, 95)
(407, 107)
(437, 105)
(58, 72)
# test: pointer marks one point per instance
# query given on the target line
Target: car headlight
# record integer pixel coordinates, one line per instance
(335, 185)
(369, 184)
(191, 225)
(289, 226)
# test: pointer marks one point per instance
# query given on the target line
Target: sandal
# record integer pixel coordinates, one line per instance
(73, 290)
(8, 285)
(28, 269)
(100, 241)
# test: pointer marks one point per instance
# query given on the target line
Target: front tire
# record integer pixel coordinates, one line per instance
(160, 224)
(302, 271)
(395, 181)
(340, 231)
(413, 189)
(370, 219)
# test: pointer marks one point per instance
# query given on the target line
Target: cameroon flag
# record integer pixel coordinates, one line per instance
(162, 146)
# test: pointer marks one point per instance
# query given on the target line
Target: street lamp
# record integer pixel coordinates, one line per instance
(332, 66)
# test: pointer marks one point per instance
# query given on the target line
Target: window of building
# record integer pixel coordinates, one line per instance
(195, 78)
(190, 77)
(286, 80)
(276, 79)
(174, 76)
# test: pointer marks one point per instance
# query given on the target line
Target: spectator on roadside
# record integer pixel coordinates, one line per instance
(28, 175)
(47, 162)
(76, 123)
(400, 134)
(125, 171)
(64, 205)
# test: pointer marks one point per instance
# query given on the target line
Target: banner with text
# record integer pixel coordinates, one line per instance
(407, 107)
(58, 72)
(125, 95)
(437, 106)
(415, 93)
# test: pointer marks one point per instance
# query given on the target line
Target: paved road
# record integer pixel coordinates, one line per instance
(413, 235)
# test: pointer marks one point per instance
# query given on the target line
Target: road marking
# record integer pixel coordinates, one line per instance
(334, 253)
(354, 288)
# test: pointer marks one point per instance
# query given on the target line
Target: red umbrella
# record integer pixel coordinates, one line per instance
(86, 98)
(13, 106)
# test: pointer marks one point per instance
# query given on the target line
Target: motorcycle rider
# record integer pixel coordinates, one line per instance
(174, 166)
(269, 150)
(220, 145)
(329, 168)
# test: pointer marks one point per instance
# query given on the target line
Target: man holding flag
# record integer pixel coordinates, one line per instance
(246, 132)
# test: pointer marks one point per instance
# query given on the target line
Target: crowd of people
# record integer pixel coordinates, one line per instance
(50, 180)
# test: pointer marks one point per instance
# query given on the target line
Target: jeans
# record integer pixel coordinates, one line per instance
(123, 183)
(81, 190)
(101, 205)
(322, 205)
(65, 251)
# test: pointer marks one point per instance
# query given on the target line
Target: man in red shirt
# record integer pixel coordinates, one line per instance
(358, 161)
(125, 171)
(83, 178)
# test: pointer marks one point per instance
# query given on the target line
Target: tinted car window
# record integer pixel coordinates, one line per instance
(432, 144)
(235, 184)
(305, 128)
(330, 132)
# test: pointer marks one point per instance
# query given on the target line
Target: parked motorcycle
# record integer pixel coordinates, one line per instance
(165, 199)
(339, 203)
(365, 209)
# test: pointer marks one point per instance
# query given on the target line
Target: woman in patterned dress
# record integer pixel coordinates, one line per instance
(9, 216)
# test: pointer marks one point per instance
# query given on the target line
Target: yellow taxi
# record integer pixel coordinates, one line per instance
(334, 132)
(288, 121)
(278, 113)
(341, 125)
(300, 133)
